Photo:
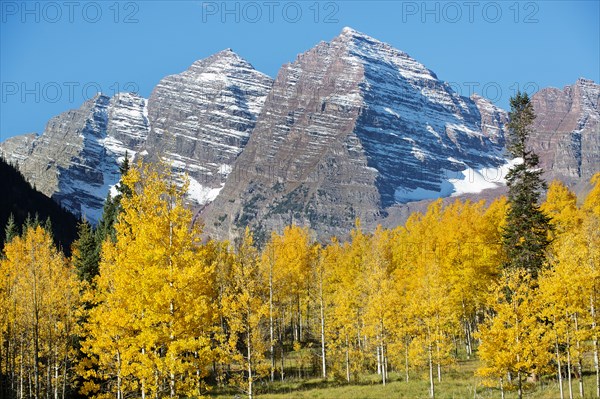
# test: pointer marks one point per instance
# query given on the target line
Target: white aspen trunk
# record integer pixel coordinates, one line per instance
(56, 374)
(559, 366)
(378, 360)
(383, 370)
(469, 341)
(323, 359)
(595, 345)
(579, 360)
(406, 360)
(569, 366)
(501, 388)
(119, 393)
(249, 345)
(143, 383)
(347, 359)
(21, 372)
(431, 384)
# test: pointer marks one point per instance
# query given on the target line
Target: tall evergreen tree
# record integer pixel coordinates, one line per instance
(11, 230)
(525, 235)
(85, 254)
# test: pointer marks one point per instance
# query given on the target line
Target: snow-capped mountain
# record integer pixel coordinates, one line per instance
(350, 128)
(201, 119)
(76, 160)
(353, 128)
(197, 121)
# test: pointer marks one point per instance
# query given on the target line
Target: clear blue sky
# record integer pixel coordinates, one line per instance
(54, 55)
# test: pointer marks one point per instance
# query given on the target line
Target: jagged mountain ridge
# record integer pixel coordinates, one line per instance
(567, 131)
(196, 121)
(201, 119)
(349, 130)
(75, 161)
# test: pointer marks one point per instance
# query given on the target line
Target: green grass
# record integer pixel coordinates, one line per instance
(456, 384)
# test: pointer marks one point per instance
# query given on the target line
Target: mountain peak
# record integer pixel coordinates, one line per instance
(350, 33)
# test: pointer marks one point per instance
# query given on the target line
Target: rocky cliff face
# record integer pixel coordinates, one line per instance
(75, 161)
(197, 121)
(201, 119)
(350, 128)
(567, 131)
(353, 128)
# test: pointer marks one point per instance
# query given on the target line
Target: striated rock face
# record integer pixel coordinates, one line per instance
(353, 128)
(75, 161)
(567, 131)
(198, 121)
(350, 128)
(202, 118)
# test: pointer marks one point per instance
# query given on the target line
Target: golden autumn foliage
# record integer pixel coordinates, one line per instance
(172, 314)
(39, 297)
(149, 330)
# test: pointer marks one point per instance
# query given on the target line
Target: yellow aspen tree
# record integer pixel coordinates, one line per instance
(344, 319)
(42, 294)
(565, 288)
(590, 236)
(246, 311)
(513, 342)
(377, 281)
(150, 331)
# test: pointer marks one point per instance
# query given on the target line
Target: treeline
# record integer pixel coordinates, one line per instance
(23, 204)
(159, 312)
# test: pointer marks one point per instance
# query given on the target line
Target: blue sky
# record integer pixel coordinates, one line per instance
(56, 54)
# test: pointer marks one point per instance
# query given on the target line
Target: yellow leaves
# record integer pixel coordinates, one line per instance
(40, 295)
(155, 290)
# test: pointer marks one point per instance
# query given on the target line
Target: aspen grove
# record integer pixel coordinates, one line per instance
(171, 313)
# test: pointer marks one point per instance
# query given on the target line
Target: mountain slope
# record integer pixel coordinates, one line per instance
(350, 128)
(202, 118)
(197, 121)
(567, 131)
(75, 161)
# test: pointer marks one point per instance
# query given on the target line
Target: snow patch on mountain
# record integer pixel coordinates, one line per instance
(455, 183)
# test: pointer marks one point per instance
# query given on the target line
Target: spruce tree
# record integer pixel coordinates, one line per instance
(11, 230)
(85, 254)
(525, 236)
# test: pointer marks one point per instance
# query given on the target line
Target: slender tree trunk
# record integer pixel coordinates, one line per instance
(439, 366)
(21, 371)
(65, 366)
(595, 345)
(323, 358)
(569, 366)
(119, 392)
(56, 374)
(520, 385)
(579, 356)
(383, 366)
(559, 366)
(501, 388)
(143, 382)
(431, 384)
(271, 337)
(377, 348)
(347, 359)
(406, 359)
(250, 377)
